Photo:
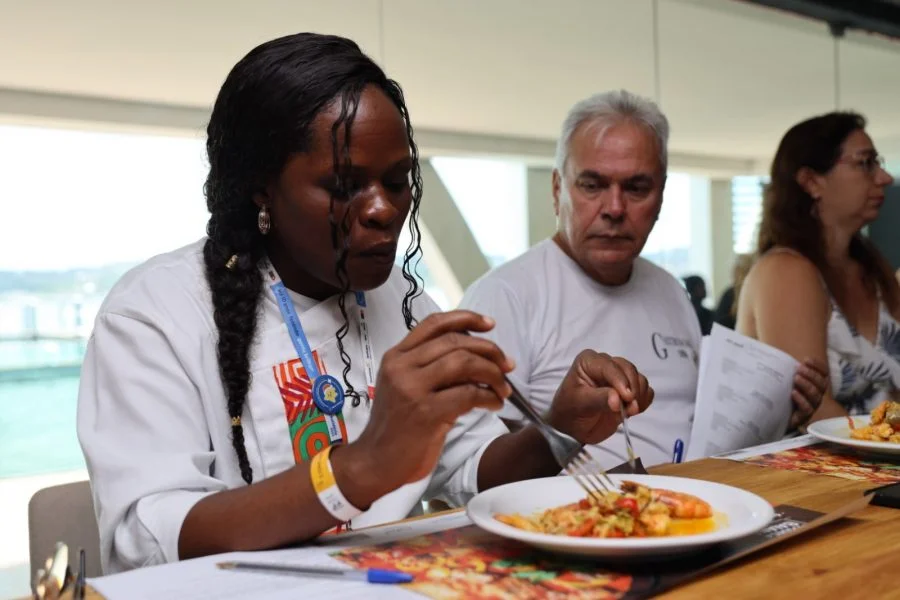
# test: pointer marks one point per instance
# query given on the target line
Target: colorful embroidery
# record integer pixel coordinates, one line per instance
(308, 430)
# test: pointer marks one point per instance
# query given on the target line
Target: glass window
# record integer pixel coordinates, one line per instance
(681, 240)
(746, 212)
(492, 197)
(80, 208)
(669, 244)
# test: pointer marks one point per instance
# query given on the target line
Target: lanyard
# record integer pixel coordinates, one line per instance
(327, 392)
(368, 353)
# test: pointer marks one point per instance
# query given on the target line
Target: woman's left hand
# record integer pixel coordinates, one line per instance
(587, 403)
(810, 385)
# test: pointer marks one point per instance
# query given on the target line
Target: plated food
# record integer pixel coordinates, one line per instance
(553, 514)
(877, 434)
(636, 511)
(884, 424)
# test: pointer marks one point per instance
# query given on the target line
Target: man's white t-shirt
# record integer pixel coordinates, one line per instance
(153, 421)
(548, 310)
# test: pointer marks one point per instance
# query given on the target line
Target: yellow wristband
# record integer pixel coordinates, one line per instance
(327, 489)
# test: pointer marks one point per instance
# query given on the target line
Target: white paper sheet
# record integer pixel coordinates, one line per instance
(200, 578)
(743, 394)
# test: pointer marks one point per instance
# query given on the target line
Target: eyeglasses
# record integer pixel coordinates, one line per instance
(869, 164)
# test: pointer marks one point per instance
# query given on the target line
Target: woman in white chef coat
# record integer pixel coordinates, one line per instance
(286, 351)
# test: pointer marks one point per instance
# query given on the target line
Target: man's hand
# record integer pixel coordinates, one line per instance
(587, 403)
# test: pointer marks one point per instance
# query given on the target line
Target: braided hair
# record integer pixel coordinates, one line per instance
(262, 116)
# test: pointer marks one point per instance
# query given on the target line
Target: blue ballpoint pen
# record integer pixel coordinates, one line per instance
(369, 575)
(678, 453)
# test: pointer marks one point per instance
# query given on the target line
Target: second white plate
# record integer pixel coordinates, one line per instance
(837, 431)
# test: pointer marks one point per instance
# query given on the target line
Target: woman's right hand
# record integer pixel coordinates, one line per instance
(425, 383)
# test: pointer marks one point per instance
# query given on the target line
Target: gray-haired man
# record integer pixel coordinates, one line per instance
(587, 287)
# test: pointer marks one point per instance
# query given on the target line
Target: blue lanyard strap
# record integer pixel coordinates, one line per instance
(327, 392)
(295, 329)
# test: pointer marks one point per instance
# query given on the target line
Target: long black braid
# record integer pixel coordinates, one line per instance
(261, 117)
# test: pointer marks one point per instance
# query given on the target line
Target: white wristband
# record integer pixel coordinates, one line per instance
(327, 489)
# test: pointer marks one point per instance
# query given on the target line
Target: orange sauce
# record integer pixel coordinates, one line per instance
(695, 526)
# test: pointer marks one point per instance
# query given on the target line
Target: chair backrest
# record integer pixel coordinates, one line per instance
(64, 513)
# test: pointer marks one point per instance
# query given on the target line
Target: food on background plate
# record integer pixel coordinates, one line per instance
(884, 424)
(635, 511)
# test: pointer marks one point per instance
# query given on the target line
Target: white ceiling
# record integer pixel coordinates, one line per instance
(733, 77)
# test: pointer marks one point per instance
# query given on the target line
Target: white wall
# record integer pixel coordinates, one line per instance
(732, 76)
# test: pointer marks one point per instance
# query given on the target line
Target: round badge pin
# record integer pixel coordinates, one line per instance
(328, 394)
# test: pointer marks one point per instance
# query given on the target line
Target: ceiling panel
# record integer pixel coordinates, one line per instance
(734, 76)
(870, 82)
(162, 51)
(732, 84)
(513, 67)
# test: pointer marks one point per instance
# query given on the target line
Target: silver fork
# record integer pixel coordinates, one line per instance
(568, 452)
(628, 447)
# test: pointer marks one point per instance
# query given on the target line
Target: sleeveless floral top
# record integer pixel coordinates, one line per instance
(862, 373)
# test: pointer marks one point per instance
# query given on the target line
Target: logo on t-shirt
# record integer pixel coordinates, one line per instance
(668, 345)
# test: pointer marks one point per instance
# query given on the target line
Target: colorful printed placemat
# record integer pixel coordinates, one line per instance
(830, 459)
(470, 564)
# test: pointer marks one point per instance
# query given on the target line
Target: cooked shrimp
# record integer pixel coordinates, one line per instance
(683, 506)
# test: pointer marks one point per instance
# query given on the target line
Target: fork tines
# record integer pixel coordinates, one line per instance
(590, 476)
(581, 466)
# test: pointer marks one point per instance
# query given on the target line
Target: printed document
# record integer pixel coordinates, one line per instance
(743, 394)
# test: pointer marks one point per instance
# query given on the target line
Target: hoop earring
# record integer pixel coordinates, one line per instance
(263, 221)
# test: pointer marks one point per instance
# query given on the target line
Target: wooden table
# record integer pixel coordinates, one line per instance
(857, 559)
(853, 559)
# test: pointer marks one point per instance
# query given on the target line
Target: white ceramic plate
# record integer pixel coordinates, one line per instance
(837, 430)
(744, 513)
